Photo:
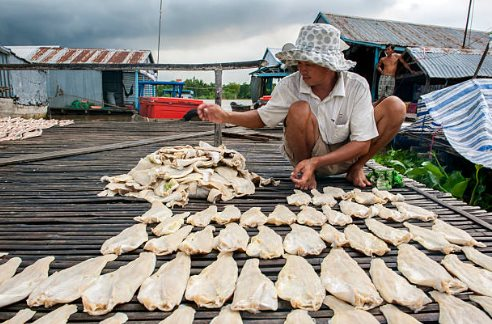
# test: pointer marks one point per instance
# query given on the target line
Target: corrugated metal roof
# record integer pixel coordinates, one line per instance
(451, 63)
(56, 54)
(270, 57)
(403, 34)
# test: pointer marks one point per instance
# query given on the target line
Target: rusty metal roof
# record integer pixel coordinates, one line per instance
(381, 32)
(451, 63)
(56, 54)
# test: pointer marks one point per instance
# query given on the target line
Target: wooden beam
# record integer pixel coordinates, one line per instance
(449, 206)
(100, 148)
(135, 67)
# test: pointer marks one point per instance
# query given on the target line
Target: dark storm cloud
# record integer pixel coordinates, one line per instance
(134, 23)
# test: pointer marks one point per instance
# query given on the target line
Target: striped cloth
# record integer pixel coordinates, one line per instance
(464, 111)
(423, 124)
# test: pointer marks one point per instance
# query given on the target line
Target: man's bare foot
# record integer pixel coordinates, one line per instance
(356, 175)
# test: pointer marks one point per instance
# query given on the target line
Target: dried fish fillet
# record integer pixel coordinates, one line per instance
(170, 225)
(322, 199)
(21, 317)
(254, 291)
(215, 284)
(227, 316)
(165, 288)
(266, 245)
(344, 313)
(395, 316)
(299, 316)
(395, 289)
(299, 198)
(455, 235)
(168, 244)
(118, 318)
(156, 214)
(281, 215)
(201, 242)
(334, 192)
(431, 240)
(331, 235)
(119, 286)
(253, 217)
(365, 242)
(353, 209)
(8, 269)
(233, 237)
(387, 213)
(299, 284)
(363, 197)
(422, 270)
(345, 279)
(58, 316)
(388, 196)
(127, 240)
(484, 301)
(453, 310)
(335, 217)
(65, 286)
(230, 214)
(414, 212)
(477, 279)
(183, 315)
(310, 216)
(303, 240)
(478, 257)
(388, 233)
(22, 284)
(202, 218)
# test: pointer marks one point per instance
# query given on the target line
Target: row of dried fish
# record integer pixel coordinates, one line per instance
(297, 282)
(302, 240)
(20, 128)
(281, 215)
(330, 194)
(173, 175)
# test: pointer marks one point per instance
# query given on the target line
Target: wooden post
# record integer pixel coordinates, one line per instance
(374, 88)
(218, 101)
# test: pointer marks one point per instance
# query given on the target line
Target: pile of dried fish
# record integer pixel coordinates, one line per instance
(172, 175)
(19, 128)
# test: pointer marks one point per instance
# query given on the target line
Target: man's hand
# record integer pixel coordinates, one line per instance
(303, 175)
(212, 113)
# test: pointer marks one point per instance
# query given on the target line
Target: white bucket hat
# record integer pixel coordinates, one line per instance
(319, 44)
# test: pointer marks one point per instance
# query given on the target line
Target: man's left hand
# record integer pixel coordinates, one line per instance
(303, 175)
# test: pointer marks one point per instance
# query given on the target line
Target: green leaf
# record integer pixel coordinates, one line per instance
(459, 189)
(454, 178)
(397, 165)
(434, 180)
(434, 169)
(416, 172)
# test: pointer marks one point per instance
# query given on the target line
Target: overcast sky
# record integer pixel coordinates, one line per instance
(206, 31)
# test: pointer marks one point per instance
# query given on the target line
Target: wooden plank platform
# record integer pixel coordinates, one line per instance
(50, 207)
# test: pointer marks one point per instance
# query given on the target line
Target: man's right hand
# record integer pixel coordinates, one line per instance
(212, 113)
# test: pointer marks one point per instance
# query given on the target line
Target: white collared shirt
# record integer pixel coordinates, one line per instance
(347, 112)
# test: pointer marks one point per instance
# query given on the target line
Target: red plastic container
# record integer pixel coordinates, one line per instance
(166, 107)
(144, 106)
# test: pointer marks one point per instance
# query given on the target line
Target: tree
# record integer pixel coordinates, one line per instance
(204, 90)
(244, 91)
